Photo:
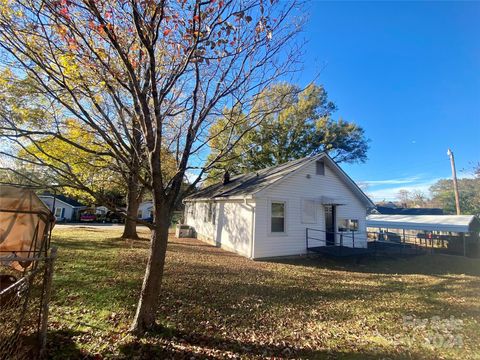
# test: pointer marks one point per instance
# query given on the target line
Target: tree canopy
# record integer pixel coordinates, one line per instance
(294, 123)
(442, 195)
(154, 73)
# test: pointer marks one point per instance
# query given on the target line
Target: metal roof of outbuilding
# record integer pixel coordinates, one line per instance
(453, 223)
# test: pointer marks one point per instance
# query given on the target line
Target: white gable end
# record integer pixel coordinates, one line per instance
(303, 185)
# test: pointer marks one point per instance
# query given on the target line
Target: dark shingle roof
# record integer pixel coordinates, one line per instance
(65, 199)
(408, 211)
(247, 184)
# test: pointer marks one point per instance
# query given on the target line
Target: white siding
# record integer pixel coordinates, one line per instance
(232, 228)
(68, 210)
(292, 191)
(145, 210)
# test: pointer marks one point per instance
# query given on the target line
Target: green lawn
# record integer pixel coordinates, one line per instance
(218, 305)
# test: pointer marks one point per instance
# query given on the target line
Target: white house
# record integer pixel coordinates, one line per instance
(267, 213)
(64, 208)
(145, 210)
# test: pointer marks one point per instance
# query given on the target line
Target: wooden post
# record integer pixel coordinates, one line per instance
(404, 236)
(49, 261)
(464, 245)
(353, 238)
(454, 177)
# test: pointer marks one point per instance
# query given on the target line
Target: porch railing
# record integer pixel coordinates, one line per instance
(377, 242)
(318, 238)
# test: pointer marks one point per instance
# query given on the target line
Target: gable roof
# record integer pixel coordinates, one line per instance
(249, 184)
(64, 199)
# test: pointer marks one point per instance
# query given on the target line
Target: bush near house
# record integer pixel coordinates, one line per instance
(220, 305)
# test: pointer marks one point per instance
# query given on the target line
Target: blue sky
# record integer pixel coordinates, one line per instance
(409, 74)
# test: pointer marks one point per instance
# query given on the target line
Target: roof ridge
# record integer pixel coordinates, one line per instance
(248, 179)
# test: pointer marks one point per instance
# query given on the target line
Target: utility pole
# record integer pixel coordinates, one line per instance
(455, 184)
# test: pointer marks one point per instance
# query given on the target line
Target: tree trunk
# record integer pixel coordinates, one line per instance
(133, 202)
(134, 193)
(149, 297)
(130, 229)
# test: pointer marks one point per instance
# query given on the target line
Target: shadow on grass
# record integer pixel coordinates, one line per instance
(434, 264)
(61, 344)
(174, 344)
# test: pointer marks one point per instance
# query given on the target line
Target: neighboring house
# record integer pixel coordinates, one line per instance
(266, 213)
(101, 210)
(145, 210)
(389, 210)
(64, 208)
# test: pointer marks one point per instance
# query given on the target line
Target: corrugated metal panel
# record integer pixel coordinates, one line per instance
(453, 223)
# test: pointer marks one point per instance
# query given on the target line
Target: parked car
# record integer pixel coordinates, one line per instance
(113, 218)
(88, 217)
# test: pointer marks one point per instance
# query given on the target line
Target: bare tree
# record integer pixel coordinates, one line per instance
(173, 66)
(404, 197)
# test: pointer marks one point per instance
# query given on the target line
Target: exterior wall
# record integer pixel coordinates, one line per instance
(68, 212)
(292, 191)
(229, 228)
(145, 210)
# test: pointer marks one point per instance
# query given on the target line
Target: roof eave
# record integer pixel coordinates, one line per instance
(219, 198)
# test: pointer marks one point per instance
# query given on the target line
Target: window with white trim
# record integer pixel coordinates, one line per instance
(214, 213)
(58, 212)
(308, 211)
(348, 225)
(210, 212)
(277, 218)
(320, 167)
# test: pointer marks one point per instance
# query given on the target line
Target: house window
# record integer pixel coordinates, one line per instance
(348, 225)
(58, 212)
(308, 211)
(210, 212)
(278, 217)
(320, 168)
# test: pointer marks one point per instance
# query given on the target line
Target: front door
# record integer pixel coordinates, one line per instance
(330, 225)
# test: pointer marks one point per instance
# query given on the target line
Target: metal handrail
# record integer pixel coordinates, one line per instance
(351, 234)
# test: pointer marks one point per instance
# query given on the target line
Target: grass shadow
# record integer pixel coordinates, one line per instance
(430, 264)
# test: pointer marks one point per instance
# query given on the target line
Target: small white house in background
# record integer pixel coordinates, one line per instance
(145, 210)
(101, 210)
(63, 207)
(266, 213)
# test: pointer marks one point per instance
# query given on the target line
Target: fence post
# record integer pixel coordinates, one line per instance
(353, 239)
(49, 261)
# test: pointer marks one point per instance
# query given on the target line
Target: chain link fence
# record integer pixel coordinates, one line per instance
(24, 298)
